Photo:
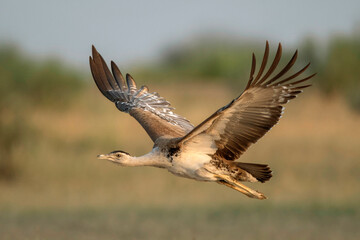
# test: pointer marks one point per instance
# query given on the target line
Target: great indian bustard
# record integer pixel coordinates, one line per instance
(208, 151)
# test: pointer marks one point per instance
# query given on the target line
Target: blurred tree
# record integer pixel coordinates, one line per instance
(24, 86)
(224, 58)
(42, 83)
(310, 51)
(209, 59)
(342, 72)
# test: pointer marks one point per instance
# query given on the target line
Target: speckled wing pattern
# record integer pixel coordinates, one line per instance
(233, 128)
(153, 112)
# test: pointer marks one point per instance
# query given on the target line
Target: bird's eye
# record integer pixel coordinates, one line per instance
(118, 155)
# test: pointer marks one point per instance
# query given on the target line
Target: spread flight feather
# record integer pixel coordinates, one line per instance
(153, 112)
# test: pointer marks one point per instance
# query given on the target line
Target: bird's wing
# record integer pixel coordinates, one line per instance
(153, 112)
(233, 128)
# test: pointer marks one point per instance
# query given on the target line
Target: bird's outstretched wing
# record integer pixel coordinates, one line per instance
(233, 128)
(153, 112)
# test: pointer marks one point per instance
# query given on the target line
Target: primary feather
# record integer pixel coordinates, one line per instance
(140, 103)
(234, 127)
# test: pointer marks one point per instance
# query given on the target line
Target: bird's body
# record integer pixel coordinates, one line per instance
(208, 151)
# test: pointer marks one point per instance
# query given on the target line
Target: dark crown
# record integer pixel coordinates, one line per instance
(117, 151)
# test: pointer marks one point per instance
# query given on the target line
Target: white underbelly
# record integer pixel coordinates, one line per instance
(191, 165)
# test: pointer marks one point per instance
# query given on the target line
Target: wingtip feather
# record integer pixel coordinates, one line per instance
(94, 51)
(130, 82)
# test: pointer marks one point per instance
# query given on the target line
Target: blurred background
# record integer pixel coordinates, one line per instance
(196, 54)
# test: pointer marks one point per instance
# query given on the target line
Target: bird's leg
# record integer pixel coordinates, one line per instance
(236, 188)
(241, 188)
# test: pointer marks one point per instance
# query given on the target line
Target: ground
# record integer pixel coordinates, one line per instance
(64, 192)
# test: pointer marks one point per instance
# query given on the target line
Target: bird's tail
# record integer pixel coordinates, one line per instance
(261, 172)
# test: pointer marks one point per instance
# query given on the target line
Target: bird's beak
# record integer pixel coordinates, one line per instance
(102, 156)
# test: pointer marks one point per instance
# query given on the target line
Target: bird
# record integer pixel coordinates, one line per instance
(210, 151)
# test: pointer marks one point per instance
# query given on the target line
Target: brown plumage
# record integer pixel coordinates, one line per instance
(248, 117)
(208, 151)
(151, 114)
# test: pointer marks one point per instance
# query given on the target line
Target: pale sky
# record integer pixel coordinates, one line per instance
(130, 31)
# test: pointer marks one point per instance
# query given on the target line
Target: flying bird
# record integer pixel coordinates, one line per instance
(209, 151)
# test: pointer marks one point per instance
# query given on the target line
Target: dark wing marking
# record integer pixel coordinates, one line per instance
(153, 112)
(233, 128)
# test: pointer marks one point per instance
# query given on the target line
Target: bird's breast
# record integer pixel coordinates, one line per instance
(191, 165)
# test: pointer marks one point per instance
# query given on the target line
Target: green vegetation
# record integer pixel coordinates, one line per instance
(341, 72)
(28, 82)
(230, 60)
(28, 85)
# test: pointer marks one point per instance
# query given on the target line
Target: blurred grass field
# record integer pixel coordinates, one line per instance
(64, 192)
(54, 121)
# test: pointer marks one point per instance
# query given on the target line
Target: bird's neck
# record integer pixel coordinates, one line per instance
(153, 158)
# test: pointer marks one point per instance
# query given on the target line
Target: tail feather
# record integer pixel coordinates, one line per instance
(261, 172)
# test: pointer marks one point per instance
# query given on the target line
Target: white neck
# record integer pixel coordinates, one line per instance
(153, 158)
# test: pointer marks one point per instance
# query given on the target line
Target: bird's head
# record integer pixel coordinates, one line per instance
(119, 157)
